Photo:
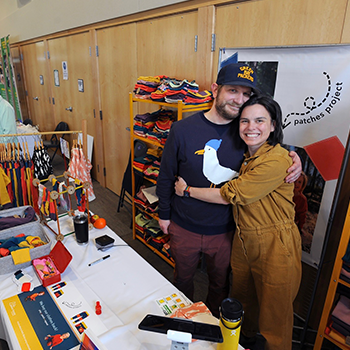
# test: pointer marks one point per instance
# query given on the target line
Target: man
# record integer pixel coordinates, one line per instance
(7, 120)
(207, 151)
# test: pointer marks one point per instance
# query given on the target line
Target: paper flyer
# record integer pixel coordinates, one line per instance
(38, 323)
(78, 312)
(150, 194)
(170, 303)
(55, 317)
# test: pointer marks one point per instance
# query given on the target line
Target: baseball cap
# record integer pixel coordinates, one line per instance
(237, 74)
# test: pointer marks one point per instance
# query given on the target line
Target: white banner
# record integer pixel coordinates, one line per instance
(312, 86)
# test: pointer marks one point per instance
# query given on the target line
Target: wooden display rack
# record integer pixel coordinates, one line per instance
(55, 195)
(181, 108)
(332, 289)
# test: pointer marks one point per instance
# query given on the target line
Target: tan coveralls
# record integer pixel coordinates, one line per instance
(266, 251)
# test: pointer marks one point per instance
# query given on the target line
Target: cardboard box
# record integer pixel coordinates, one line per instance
(60, 257)
(33, 228)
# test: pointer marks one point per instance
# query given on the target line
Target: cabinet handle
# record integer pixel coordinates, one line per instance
(70, 109)
(36, 98)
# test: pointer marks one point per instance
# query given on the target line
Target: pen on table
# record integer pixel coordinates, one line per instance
(98, 260)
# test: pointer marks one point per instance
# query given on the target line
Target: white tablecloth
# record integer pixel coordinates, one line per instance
(125, 284)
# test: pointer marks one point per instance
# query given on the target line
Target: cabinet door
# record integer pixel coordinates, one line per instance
(166, 46)
(118, 75)
(72, 87)
(37, 85)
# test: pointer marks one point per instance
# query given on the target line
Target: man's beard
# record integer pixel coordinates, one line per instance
(220, 108)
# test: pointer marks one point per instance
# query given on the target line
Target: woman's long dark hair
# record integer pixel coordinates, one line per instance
(275, 112)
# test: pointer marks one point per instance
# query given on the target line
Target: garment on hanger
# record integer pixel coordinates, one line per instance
(42, 163)
(79, 168)
(80, 195)
(4, 181)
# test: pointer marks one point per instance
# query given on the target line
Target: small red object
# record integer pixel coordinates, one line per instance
(98, 309)
(26, 287)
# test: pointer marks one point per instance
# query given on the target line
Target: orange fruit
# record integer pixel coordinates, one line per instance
(100, 223)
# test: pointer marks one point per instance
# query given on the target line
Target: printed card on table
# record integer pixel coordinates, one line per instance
(170, 303)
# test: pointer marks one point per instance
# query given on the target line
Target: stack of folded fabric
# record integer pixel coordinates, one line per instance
(153, 170)
(141, 164)
(19, 242)
(173, 90)
(149, 164)
(152, 229)
(154, 236)
(145, 85)
(341, 316)
(179, 89)
(148, 229)
(164, 89)
(195, 98)
(158, 242)
(144, 123)
(141, 201)
(141, 220)
(162, 126)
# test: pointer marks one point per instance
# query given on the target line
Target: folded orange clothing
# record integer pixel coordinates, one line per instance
(191, 311)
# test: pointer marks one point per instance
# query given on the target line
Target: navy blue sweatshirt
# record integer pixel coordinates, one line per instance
(179, 157)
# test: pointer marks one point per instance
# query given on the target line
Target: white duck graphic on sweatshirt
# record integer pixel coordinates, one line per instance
(212, 169)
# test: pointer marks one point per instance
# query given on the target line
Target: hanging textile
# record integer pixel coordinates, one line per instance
(42, 163)
(4, 181)
(80, 195)
(80, 167)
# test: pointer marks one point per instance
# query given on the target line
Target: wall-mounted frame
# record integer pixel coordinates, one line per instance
(81, 85)
(56, 77)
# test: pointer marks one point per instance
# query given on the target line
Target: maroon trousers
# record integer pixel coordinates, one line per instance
(186, 249)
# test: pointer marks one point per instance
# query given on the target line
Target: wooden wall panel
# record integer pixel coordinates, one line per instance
(75, 50)
(165, 46)
(117, 75)
(38, 99)
(346, 29)
(280, 23)
(205, 55)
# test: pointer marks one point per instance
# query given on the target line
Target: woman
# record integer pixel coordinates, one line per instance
(266, 251)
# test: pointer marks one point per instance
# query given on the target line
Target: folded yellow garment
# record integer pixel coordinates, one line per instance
(35, 241)
(151, 79)
(24, 244)
(21, 256)
(31, 242)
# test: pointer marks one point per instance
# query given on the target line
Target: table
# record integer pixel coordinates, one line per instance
(125, 284)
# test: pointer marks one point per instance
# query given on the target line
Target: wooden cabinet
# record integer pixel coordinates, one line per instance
(331, 299)
(180, 108)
